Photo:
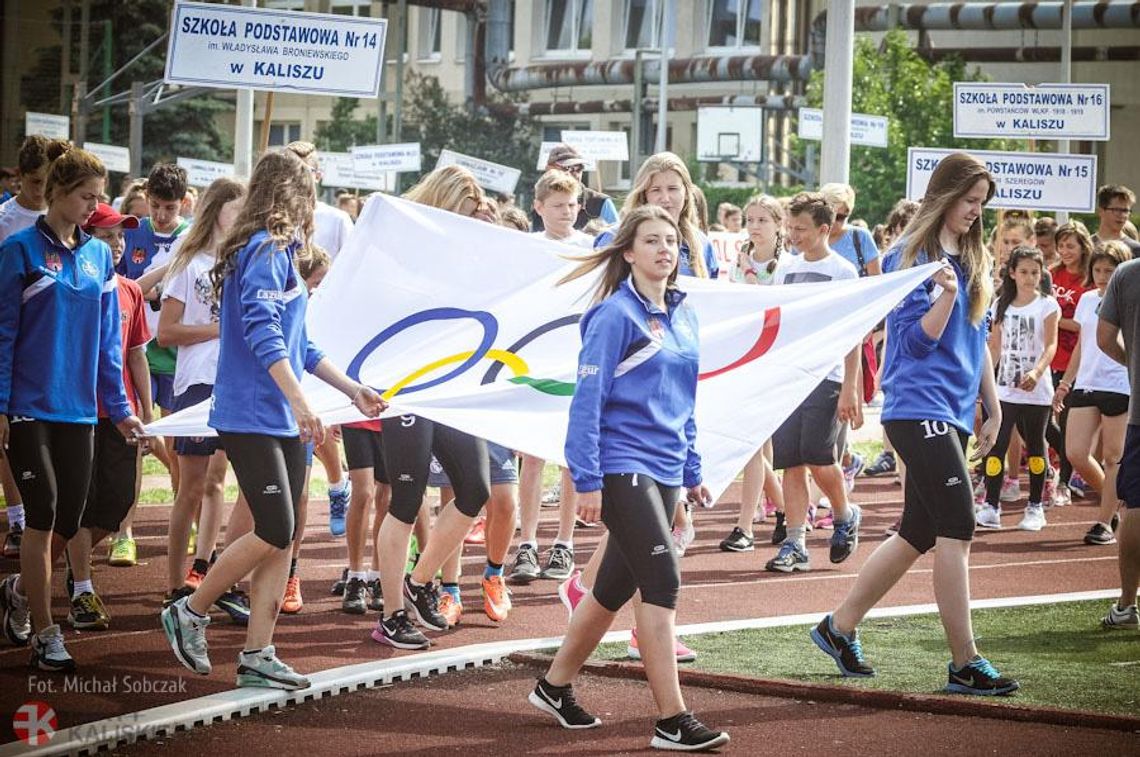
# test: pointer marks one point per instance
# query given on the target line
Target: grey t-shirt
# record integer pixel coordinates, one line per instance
(1121, 308)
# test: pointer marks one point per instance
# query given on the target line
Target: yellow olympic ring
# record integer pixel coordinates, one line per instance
(517, 365)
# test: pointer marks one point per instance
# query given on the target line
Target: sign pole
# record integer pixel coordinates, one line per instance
(839, 64)
(1066, 76)
(243, 126)
(136, 129)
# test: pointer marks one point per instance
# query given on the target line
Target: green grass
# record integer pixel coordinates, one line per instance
(1059, 653)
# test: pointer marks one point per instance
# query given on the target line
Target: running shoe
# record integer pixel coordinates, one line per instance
(845, 539)
(680, 650)
(234, 603)
(1050, 490)
(186, 632)
(49, 653)
(988, 516)
(525, 567)
(579, 523)
(124, 553)
(192, 545)
(263, 669)
(883, 465)
(423, 604)
(17, 620)
(399, 632)
(738, 541)
(684, 537)
(1062, 497)
(552, 497)
(572, 592)
(1034, 518)
(684, 733)
(196, 573)
(780, 530)
(338, 509)
(450, 608)
(791, 558)
(769, 507)
(1078, 487)
(375, 595)
(496, 599)
(852, 470)
(337, 589)
(559, 563)
(1100, 535)
(354, 602)
(559, 701)
(1119, 618)
(980, 678)
(174, 595)
(825, 521)
(88, 613)
(478, 532)
(847, 652)
(292, 603)
(12, 541)
(1010, 489)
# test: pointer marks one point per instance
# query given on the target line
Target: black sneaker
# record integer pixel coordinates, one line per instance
(338, 587)
(49, 653)
(738, 541)
(981, 678)
(12, 542)
(398, 631)
(559, 701)
(354, 602)
(176, 594)
(1100, 535)
(559, 563)
(525, 567)
(423, 604)
(845, 538)
(234, 603)
(684, 733)
(884, 464)
(375, 595)
(780, 532)
(847, 653)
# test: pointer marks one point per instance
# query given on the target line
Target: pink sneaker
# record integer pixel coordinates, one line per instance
(769, 508)
(684, 654)
(572, 592)
(825, 521)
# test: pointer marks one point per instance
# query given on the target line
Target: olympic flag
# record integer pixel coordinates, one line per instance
(463, 322)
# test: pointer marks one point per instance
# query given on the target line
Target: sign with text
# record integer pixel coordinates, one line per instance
(47, 124)
(544, 152)
(115, 158)
(372, 159)
(727, 246)
(214, 45)
(338, 169)
(1040, 181)
(1047, 111)
(201, 173)
(599, 145)
(493, 176)
(870, 131)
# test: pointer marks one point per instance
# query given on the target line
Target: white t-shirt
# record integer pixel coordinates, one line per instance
(331, 227)
(576, 238)
(760, 268)
(798, 270)
(1097, 371)
(15, 217)
(197, 363)
(1022, 344)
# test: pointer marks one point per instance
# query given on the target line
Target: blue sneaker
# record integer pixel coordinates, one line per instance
(845, 539)
(847, 652)
(791, 558)
(338, 508)
(980, 678)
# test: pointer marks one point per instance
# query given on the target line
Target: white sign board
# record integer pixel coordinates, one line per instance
(114, 158)
(47, 124)
(493, 176)
(870, 131)
(228, 47)
(727, 245)
(544, 153)
(729, 134)
(1047, 111)
(338, 169)
(1040, 181)
(201, 173)
(599, 145)
(372, 159)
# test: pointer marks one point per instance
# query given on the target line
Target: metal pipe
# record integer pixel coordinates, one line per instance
(1031, 54)
(663, 71)
(580, 107)
(1066, 78)
(1000, 15)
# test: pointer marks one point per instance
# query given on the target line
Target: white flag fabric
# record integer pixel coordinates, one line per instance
(463, 322)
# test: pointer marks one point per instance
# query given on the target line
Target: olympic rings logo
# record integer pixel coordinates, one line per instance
(520, 370)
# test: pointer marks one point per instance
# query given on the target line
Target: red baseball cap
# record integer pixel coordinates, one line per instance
(105, 217)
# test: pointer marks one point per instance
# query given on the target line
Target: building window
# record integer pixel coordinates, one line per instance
(642, 23)
(281, 134)
(286, 5)
(569, 25)
(734, 23)
(353, 8)
(431, 38)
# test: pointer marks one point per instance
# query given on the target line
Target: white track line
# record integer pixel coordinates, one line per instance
(165, 720)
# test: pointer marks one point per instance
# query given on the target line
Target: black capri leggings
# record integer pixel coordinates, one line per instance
(271, 473)
(939, 500)
(51, 463)
(1055, 435)
(409, 443)
(1030, 421)
(640, 556)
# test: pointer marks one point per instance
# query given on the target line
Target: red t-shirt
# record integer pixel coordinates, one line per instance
(373, 425)
(135, 332)
(1067, 288)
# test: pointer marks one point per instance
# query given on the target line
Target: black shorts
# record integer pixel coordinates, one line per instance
(409, 443)
(364, 448)
(809, 434)
(271, 473)
(162, 390)
(195, 446)
(51, 463)
(1110, 404)
(1128, 474)
(113, 473)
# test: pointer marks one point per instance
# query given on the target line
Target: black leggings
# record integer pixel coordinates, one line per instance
(1030, 421)
(409, 443)
(271, 473)
(1055, 435)
(939, 500)
(51, 463)
(640, 556)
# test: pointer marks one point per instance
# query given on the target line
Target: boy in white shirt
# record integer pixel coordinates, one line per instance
(556, 202)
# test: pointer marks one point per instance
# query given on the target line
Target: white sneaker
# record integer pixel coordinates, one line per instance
(1061, 496)
(264, 669)
(988, 516)
(17, 619)
(683, 538)
(1034, 518)
(1122, 618)
(186, 632)
(1010, 489)
(49, 653)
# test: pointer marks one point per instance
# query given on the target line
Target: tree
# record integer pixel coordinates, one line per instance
(893, 80)
(344, 131)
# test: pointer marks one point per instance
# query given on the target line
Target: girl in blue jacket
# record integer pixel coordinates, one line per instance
(937, 365)
(261, 416)
(631, 447)
(60, 355)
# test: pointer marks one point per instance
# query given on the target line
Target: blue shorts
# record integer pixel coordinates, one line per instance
(504, 467)
(309, 447)
(1128, 474)
(162, 390)
(194, 446)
